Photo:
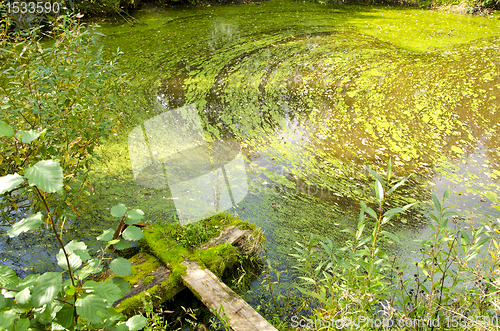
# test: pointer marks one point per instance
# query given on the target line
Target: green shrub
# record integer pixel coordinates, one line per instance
(59, 90)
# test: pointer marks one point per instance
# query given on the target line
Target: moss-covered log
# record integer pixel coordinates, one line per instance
(157, 276)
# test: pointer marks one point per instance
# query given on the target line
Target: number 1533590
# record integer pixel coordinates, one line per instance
(40, 7)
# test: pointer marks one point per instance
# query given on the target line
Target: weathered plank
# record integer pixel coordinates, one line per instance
(160, 275)
(230, 235)
(214, 293)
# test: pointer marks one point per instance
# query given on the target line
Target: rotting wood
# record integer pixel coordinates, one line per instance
(231, 234)
(160, 275)
(214, 293)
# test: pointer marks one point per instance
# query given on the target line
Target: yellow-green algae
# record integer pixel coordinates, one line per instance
(163, 242)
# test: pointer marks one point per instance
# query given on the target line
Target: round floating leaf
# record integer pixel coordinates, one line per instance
(27, 136)
(46, 288)
(26, 224)
(132, 233)
(9, 182)
(119, 210)
(106, 235)
(47, 175)
(121, 266)
(136, 322)
(5, 130)
(92, 308)
(7, 276)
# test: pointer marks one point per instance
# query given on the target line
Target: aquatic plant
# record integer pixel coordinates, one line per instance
(364, 284)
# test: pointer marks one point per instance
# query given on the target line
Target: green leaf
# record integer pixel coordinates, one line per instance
(74, 260)
(22, 324)
(119, 210)
(132, 233)
(122, 284)
(122, 244)
(26, 224)
(71, 290)
(437, 205)
(390, 235)
(46, 175)
(393, 211)
(91, 268)
(27, 136)
(106, 290)
(7, 319)
(65, 317)
(379, 190)
(92, 308)
(134, 216)
(3, 302)
(370, 211)
(106, 235)
(79, 248)
(6, 130)
(398, 184)
(23, 296)
(446, 193)
(77, 253)
(9, 182)
(376, 175)
(121, 266)
(7, 276)
(46, 288)
(136, 322)
(389, 168)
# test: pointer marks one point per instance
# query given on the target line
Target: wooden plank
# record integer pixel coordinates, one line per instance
(214, 293)
(230, 235)
(160, 275)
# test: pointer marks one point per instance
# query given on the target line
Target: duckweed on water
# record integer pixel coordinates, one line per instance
(312, 94)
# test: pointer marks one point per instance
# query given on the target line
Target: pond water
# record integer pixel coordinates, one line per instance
(312, 93)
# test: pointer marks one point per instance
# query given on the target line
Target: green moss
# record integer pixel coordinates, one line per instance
(158, 293)
(142, 265)
(217, 259)
(148, 280)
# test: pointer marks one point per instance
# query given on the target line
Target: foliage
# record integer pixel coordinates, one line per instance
(452, 283)
(55, 94)
(76, 303)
